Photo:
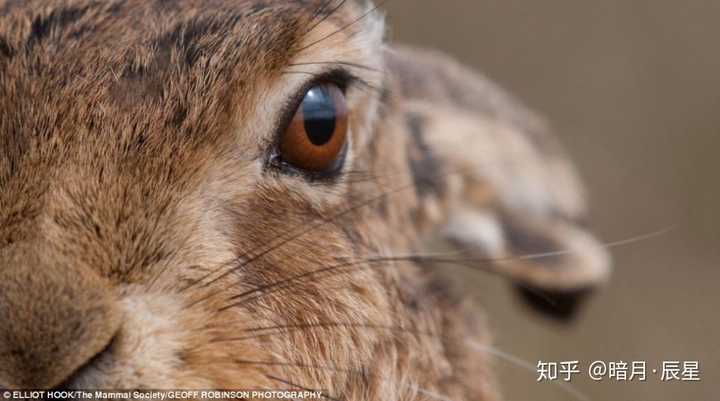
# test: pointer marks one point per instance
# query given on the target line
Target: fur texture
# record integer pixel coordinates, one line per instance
(145, 242)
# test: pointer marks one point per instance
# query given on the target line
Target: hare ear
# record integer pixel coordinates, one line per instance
(496, 183)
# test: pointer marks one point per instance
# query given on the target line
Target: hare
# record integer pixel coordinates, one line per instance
(239, 194)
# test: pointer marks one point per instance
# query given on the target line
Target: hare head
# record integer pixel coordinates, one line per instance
(236, 194)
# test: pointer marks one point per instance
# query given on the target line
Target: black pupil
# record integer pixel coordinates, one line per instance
(319, 113)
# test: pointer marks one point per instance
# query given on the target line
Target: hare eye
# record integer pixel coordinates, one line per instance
(315, 139)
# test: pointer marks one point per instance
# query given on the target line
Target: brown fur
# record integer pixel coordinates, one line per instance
(144, 240)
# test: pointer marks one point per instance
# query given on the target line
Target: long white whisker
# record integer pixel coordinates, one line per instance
(431, 394)
(542, 255)
(521, 363)
(608, 245)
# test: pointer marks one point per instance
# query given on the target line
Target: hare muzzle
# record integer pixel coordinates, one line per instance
(56, 320)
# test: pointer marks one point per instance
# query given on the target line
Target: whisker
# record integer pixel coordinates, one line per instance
(487, 349)
(640, 238)
(343, 63)
(350, 371)
(294, 234)
(430, 394)
(490, 350)
(363, 176)
(526, 365)
(346, 26)
(289, 383)
(331, 270)
(478, 264)
(167, 265)
(301, 365)
(360, 83)
(607, 245)
(327, 15)
(290, 328)
(370, 176)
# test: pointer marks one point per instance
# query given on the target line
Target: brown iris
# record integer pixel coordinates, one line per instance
(315, 139)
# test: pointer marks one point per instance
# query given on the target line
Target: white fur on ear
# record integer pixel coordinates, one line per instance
(480, 229)
(551, 254)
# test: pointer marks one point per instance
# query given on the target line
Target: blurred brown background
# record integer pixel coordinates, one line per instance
(633, 88)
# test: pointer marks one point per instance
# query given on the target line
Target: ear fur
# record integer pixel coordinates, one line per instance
(510, 197)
